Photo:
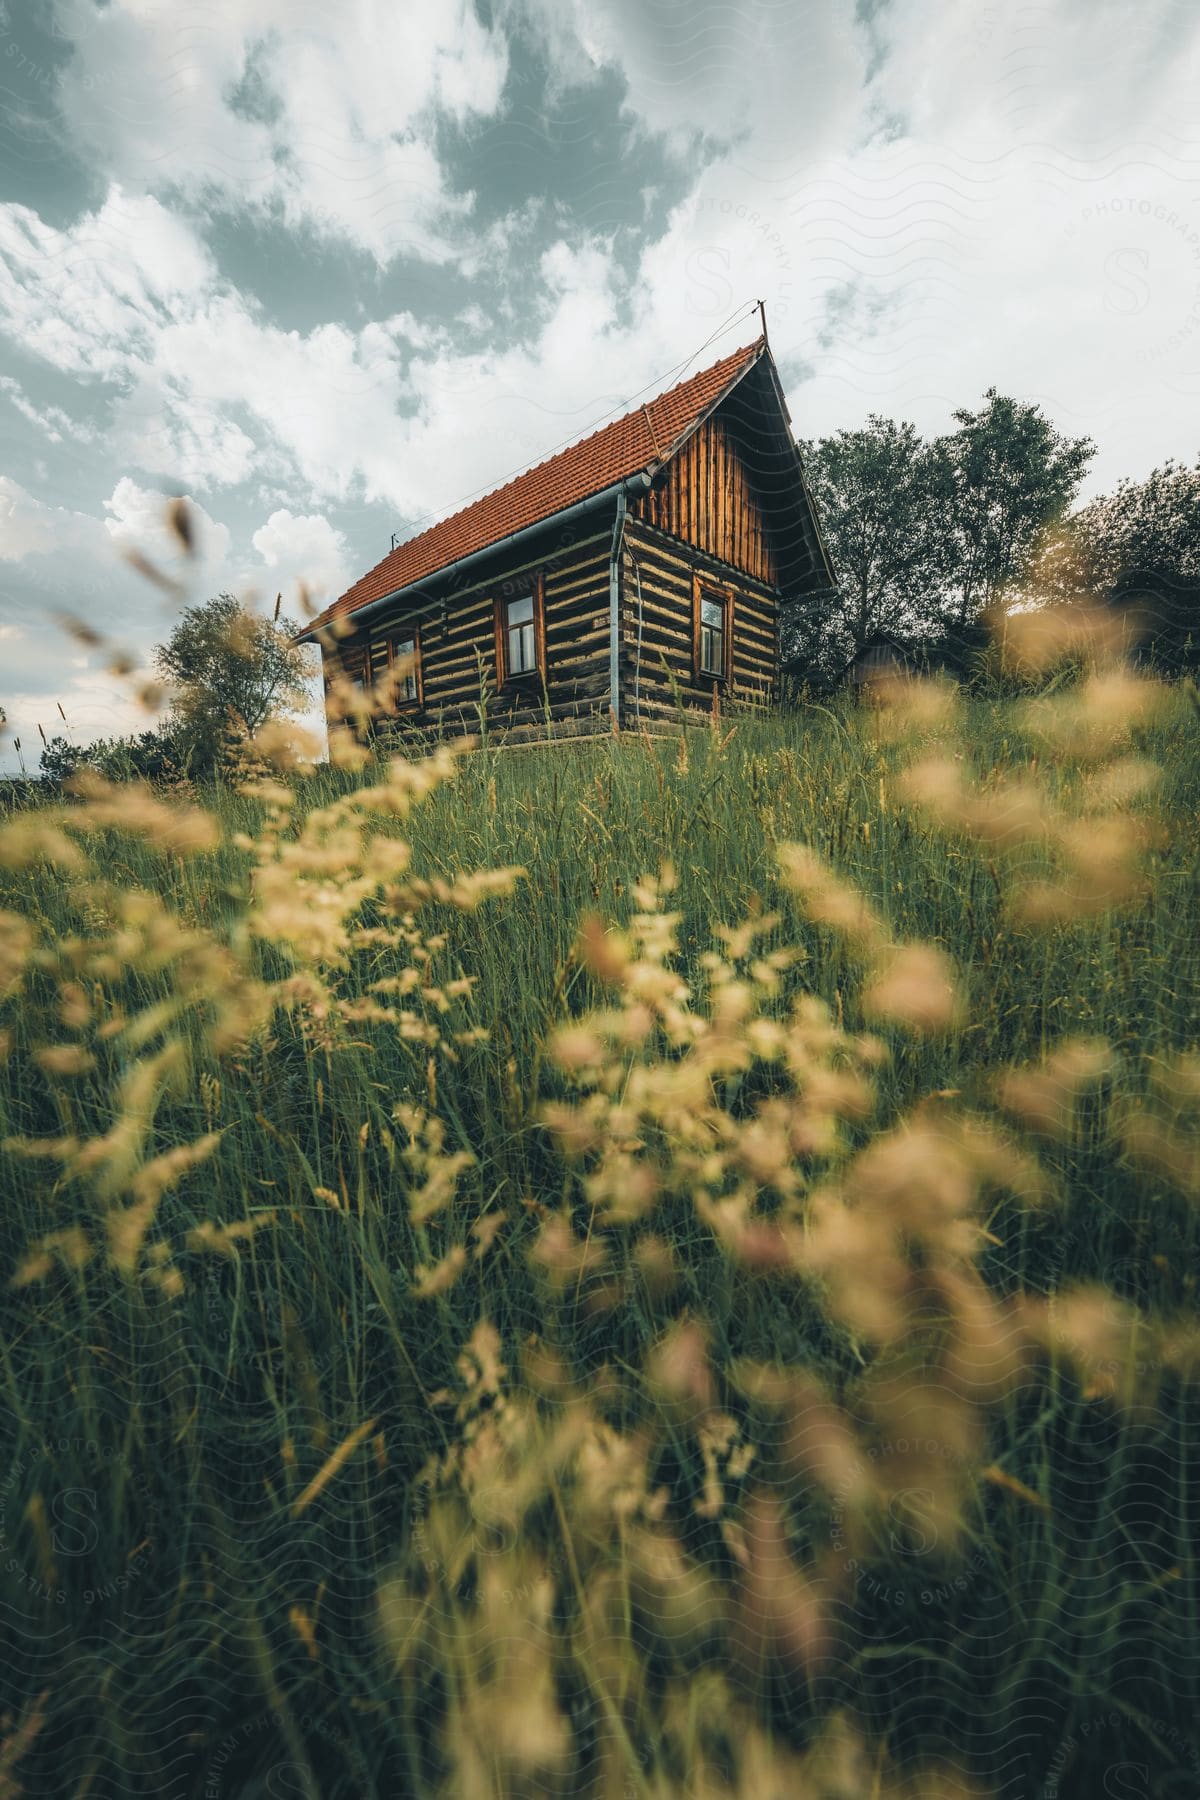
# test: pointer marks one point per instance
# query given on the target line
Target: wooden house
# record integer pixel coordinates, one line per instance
(637, 572)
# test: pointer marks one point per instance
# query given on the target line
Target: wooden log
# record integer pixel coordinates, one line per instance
(566, 585)
(669, 547)
(671, 602)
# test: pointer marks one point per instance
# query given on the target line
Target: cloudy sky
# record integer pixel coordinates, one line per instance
(330, 270)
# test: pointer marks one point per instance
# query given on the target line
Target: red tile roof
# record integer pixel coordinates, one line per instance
(639, 440)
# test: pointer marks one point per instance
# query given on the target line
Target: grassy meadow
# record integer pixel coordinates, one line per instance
(651, 1268)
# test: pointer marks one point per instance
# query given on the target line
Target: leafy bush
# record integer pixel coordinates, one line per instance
(155, 755)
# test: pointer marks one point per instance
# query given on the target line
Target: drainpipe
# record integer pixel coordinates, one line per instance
(614, 611)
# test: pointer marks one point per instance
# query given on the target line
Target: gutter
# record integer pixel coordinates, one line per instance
(617, 491)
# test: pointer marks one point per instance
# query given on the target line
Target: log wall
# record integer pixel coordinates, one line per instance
(657, 650)
(459, 648)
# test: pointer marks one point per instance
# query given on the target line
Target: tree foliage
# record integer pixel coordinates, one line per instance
(925, 535)
(876, 498)
(230, 670)
(1003, 478)
(153, 755)
(1139, 547)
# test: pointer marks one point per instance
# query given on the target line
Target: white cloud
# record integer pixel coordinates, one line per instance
(28, 527)
(920, 204)
(162, 422)
(303, 548)
(928, 205)
(1071, 76)
(209, 393)
(327, 398)
(61, 562)
(129, 295)
(323, 116)
(769, 78)
(1015, 228)
(94, 705)
(51, 420)
(89, 298)
(138, 522)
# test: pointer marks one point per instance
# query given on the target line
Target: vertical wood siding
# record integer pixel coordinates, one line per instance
(706, 496)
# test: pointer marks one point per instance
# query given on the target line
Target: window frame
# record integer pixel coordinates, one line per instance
(382, 656)
(534, 589)
(354, 664)
(405, 634)
(704, 588)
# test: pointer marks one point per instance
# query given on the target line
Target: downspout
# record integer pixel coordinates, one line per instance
(637, 655)
(614, 612)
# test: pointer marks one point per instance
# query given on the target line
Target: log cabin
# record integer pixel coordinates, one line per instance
(632, 580)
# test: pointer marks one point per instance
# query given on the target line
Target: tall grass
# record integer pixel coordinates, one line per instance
(690, 1316)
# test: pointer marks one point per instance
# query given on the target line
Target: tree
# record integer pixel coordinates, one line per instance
(230, 671)
(149, 755)
(1003, 479)
(1139, 548)
(877, 498)
(925, 537)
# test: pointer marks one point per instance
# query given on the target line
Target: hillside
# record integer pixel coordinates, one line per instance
(659, 1269)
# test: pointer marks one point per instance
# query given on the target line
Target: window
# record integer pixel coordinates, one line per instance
(518, 616)
(520, 634)
(712, 637)
(712, 632)
(406, 687)
(393, 688)
(355, 666)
